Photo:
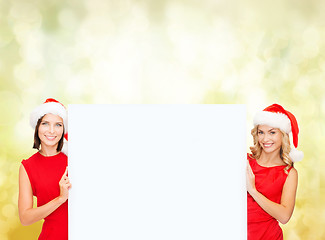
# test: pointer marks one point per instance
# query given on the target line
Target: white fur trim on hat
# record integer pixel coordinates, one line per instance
(276, 120)
(49, 107)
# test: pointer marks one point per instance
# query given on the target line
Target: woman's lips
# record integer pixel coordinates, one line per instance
(267, 145)
(51, 138)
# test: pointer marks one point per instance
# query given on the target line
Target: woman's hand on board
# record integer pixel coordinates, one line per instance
(250, 179)
(65, 185)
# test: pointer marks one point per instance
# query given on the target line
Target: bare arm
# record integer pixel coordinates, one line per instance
(29, 215)
(283, 211)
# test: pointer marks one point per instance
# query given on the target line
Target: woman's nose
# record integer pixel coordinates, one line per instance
(266, 137)
(51, 128)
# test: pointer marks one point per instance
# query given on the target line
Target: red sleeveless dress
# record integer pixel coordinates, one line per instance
(269, 181)
(44, 174)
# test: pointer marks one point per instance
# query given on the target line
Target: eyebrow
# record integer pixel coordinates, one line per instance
(272, 129)
(48, 121)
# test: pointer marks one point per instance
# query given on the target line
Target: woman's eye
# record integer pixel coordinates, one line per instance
(260, 132)
(272, 132)
(59, 125)
(44, 123)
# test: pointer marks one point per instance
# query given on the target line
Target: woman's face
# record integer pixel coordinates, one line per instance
(50, 130)
(269, 138)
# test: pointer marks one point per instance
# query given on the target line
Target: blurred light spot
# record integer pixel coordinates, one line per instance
(186, 50)
(26, 17)
(310, 50)
(14, 198)
(68, 56)
(25, 11)
(311, 35)
(321, 64)
(301, 86)
(6, 35)
(23, 131)
(75, 86)
(32, 51)
(311, 42)
(97, 6)
(24, 74)
(296, 55)
(68, 19)
(23, 30)
(8, 210)
(322, 104)
(4, 228)
(10, 105)
(3, 193)
(290, 71)
(139, 21)
(293, 235)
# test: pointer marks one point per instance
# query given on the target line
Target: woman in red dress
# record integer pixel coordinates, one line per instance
(44, 174)
(271, 178)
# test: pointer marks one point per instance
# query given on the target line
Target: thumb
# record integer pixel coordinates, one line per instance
(65, 174)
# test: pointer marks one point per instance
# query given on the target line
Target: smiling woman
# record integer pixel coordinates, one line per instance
(271, 178)
(269, 138)
(44, 174)
(49, 130)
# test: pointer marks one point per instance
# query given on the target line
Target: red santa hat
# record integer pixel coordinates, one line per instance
(55, 107)
(276, 116)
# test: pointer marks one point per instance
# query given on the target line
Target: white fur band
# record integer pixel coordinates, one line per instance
(50, 107)
(276, 120)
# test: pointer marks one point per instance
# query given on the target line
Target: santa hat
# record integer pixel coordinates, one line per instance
(276, 116)
(55, 107)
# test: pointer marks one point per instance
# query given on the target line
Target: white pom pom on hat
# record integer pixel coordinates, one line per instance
(276, 116)
(55, 107)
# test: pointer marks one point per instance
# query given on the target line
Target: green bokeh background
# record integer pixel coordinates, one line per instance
(174, 51)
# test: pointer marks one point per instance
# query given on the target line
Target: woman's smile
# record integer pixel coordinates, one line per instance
(267, 145)
(50, 138)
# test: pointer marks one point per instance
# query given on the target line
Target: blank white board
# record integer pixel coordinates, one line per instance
(152, 172)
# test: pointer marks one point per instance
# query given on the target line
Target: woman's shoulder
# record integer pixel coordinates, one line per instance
(292, 171)
(250, 157)
(291, 177)
(30, 162)
(32, 158)
(251, 160)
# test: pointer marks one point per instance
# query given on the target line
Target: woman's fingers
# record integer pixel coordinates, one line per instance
(65, 178)
(65, 185)
(65, 174)
(65, 181)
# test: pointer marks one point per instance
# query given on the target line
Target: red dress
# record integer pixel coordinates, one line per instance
(44, 174)
(269, 181)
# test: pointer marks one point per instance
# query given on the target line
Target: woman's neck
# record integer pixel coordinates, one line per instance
(48, 150)
(270, 159)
